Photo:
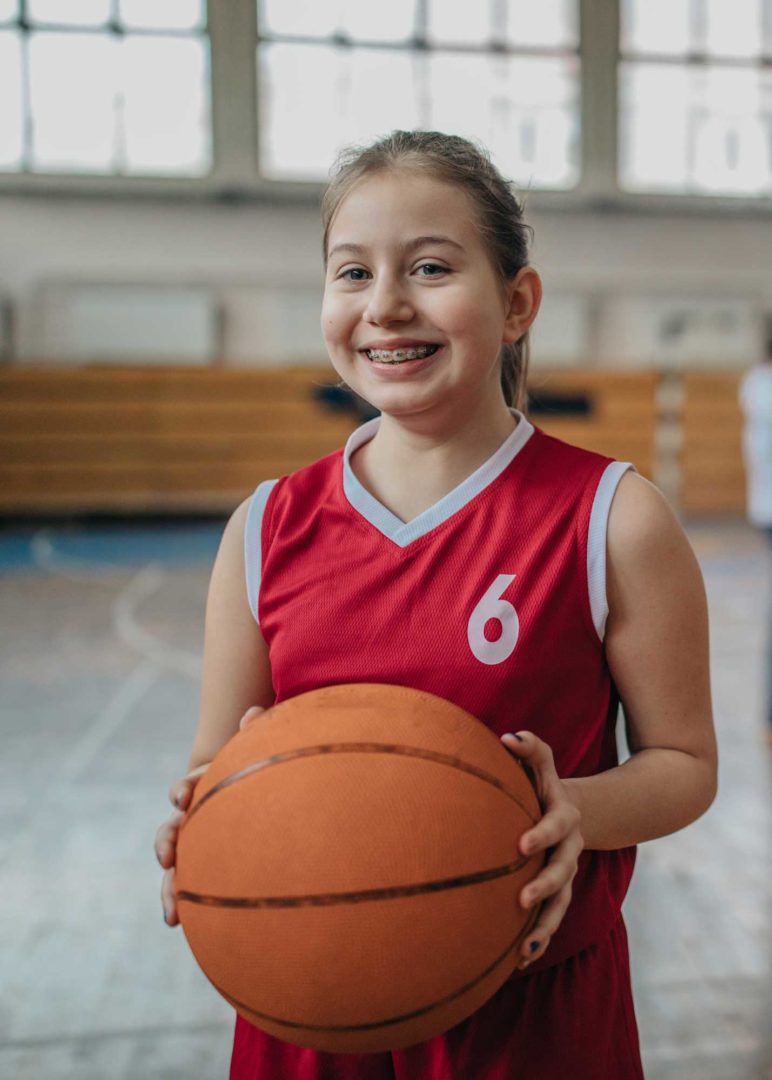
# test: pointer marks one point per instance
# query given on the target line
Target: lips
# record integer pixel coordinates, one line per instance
(398, 355)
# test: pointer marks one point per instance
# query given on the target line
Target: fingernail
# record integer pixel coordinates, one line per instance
(534, 945)
(160, 861)
(165, 919)
(519, 738)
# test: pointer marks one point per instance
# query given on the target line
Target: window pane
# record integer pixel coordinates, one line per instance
(166, 105)
(11, 107)
(9, 10)
(657, 26)
(458, 24)
(734, 29)
(72, 93)
(372, 20)
(712, 137)
(524, 109)
(550, 23)
(314, 99)
(170, 15)
(73, 13)
(305, 18)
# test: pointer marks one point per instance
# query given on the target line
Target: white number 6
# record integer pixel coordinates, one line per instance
(492, 606)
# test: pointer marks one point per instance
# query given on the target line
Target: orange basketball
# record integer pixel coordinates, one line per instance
(348, 872)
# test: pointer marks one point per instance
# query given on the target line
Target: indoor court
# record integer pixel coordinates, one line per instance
(161, 355)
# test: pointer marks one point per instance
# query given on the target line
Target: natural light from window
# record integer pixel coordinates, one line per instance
(331, 74)
(695, 104)
(77, 97)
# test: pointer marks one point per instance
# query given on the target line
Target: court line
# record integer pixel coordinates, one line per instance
(128, 629)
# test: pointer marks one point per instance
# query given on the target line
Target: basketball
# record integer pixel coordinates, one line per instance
(348, 871)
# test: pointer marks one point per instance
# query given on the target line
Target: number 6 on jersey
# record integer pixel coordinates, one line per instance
(493, 607)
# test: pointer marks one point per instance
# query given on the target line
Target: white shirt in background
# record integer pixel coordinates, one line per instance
(756, 402)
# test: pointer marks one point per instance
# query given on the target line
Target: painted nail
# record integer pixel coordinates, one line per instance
(534, 945)
(165, 919)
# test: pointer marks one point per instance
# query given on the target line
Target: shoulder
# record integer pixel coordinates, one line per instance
(646, 546)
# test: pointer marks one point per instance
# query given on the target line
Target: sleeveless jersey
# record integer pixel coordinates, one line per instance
(494, 599)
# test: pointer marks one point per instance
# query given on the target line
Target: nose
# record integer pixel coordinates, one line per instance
(388, 302)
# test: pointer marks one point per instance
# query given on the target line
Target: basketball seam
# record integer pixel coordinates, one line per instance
(391, 1020)
(392, 892)
(361, 748)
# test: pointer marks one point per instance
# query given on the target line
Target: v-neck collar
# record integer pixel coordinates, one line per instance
(403, 533)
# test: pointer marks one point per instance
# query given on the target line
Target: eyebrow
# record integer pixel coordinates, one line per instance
(408, 247)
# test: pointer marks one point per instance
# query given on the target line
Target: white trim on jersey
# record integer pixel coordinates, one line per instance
(253, 547)
(403, 533)
(596, 542)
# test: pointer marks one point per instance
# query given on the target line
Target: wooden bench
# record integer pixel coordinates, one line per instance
(712, 470)
(122, 439)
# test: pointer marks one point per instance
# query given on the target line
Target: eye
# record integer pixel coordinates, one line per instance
(433, 270)
(360, 274)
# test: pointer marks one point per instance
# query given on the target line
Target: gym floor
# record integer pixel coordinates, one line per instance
(101, 631)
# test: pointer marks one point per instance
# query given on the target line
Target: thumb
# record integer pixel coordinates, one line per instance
(251, 713)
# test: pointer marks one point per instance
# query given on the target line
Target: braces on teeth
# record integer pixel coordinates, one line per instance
(396, 356)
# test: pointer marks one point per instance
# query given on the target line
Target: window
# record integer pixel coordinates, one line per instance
(696, 96)
(118, 87)
(505, 72)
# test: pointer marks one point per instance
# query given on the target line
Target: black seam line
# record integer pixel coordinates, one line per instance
(360, 896)
(388, 1021)
(363, 748)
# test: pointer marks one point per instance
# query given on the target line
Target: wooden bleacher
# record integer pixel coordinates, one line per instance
(152, 439)
(712, 471)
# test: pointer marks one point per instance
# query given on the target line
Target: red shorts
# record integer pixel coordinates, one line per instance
(574, 1019)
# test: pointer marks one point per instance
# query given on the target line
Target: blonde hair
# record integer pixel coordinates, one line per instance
(457, 161)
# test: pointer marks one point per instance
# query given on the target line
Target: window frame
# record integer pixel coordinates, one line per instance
(234, 177)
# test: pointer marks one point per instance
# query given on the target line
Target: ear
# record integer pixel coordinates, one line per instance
(523, 298)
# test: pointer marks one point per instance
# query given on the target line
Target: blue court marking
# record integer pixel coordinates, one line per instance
(104, 545)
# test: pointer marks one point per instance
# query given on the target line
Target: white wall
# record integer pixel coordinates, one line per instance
(263, 264)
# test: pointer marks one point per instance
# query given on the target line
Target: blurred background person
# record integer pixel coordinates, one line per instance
(756, 401)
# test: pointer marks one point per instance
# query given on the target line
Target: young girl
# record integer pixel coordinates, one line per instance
(455, 548)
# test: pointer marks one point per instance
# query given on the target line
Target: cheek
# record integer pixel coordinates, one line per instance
(335, 321)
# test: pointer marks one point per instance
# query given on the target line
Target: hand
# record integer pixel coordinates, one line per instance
(180, 794)
(557, 833)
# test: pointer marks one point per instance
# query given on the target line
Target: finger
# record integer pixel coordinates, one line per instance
(169, 899)
(529, 748)
(250, 715)
(181, 790)
(557, 824)
(549, 920)
(559, 872)
(166, 839)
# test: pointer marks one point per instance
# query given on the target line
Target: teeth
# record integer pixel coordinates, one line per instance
(396, 356)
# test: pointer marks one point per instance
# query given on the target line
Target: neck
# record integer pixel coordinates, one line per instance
(409, 466)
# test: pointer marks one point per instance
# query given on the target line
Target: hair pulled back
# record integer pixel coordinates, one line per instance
(456, 161)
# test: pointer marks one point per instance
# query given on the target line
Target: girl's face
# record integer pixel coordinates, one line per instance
(414, 312)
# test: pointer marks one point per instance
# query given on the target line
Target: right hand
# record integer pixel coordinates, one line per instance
(180, 794)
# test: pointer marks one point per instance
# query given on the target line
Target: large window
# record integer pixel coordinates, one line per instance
(595, 102)
(695, 96)
(505, 72)
(118, 87)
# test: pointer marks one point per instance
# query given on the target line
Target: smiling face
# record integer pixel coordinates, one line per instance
(414, 313)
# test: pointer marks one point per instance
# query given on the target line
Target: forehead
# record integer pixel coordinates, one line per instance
(391, 206)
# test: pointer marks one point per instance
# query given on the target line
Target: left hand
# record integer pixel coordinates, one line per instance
(558, 833)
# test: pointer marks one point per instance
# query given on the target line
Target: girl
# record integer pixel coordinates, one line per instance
(455, 548)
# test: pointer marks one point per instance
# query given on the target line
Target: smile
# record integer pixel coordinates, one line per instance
(399, 356)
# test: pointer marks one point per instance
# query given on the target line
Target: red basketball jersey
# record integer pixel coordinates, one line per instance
(494, 599)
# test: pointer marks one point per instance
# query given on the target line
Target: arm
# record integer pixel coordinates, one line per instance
(236, 673)
(657, 652)
(236, 677)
